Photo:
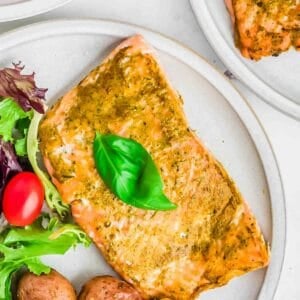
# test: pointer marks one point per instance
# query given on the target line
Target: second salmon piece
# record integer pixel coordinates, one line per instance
(265, 27)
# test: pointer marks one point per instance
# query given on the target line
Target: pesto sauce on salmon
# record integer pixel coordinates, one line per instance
(211, 236)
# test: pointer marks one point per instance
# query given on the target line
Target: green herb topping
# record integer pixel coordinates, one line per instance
(129, 172)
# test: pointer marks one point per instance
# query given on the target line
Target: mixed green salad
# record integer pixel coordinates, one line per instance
(29, 233)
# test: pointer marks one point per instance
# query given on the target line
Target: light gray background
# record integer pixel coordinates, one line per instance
(175, 18)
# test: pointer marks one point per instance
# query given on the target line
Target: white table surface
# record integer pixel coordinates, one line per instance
(175, 19)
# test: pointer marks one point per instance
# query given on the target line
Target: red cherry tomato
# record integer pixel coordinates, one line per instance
(23, 199)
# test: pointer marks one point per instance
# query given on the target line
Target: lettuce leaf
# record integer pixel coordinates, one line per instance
(14, 123)
(21, 136)
(22, 89)
(52, 196)
(23, 247)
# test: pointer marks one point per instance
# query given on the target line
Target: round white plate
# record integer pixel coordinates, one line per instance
(275, 79)
(20, 9)
(62, 52)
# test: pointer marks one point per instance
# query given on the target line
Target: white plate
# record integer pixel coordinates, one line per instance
(276, 79)
(62, 52)
(20, 9)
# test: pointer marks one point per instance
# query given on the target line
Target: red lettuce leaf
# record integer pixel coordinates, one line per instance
(22, 89)
(9, 165)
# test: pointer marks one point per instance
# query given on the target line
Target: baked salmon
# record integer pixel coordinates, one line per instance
(208, 239)
(265, 27)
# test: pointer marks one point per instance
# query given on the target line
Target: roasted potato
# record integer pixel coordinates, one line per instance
(108, 288)
(52, 286)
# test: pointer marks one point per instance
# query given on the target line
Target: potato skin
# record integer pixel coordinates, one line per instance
(108, 288)
(52, 286)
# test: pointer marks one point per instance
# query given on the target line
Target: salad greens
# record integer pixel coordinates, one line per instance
(22, 247)
(129, 172)
(14, 122)
(124, 165)
(52, 196)
(19, 95)
(21, 108)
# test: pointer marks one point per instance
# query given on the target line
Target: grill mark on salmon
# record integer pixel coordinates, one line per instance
(210, 238)
(265, 27)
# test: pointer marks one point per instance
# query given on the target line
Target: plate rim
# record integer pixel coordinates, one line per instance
(28, 9)
(221, 83)
(235, 64)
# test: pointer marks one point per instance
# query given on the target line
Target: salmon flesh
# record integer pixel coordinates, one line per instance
(208, 239)
(265, 27)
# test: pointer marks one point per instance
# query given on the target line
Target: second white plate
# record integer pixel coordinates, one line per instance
(275, 79)
(20, 9)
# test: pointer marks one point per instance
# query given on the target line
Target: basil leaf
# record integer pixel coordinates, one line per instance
(129, 172)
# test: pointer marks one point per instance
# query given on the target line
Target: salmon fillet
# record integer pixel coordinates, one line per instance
(265, 27)
(211, 236)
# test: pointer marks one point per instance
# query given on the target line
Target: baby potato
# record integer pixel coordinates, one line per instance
(108, 288)
(52, 286)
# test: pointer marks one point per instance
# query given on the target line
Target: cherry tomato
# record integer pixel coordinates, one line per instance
(23, 199)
